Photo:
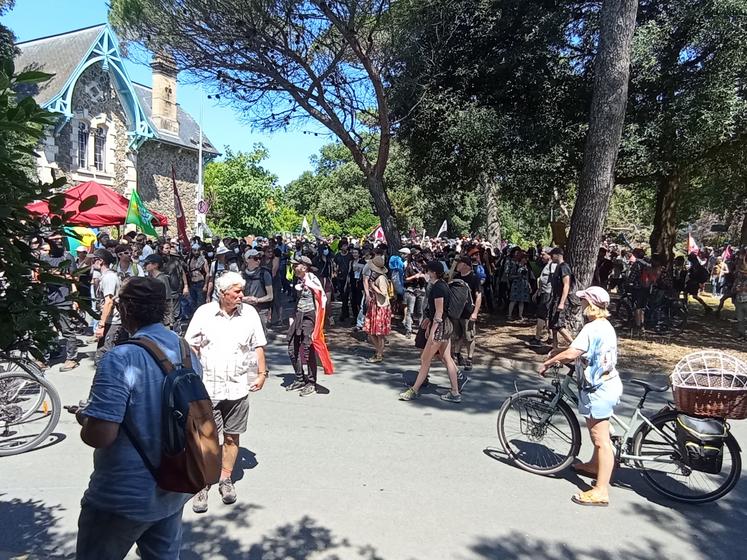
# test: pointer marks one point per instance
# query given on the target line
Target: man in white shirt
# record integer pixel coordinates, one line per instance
(229, 339)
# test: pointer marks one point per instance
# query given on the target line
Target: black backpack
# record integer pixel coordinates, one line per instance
(190, 454)
(257, 276)
(461, 305)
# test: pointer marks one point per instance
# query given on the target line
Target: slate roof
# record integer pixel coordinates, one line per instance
(60, 55)
(189, 129)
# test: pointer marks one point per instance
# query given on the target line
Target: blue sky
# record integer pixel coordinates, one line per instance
(289, 151)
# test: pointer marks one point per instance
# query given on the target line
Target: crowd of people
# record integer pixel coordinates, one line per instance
(222, 296)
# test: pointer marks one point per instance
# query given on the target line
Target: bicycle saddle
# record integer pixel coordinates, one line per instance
(649, 387)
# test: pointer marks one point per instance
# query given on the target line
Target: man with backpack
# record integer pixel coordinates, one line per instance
(128, 500)
(561, 312)
(259, 290)
(229, 339)
(176, 270)
(465, 327)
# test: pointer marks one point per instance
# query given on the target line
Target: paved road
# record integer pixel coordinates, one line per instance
(355, 474)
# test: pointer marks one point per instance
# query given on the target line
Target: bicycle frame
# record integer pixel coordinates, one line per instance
(564, 390)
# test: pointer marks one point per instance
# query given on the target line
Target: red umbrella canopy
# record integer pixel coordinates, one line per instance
(110, 208)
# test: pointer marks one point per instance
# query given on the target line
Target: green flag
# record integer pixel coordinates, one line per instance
(139, 215)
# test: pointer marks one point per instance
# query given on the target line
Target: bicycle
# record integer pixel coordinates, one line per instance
(29, 405)
(661, 313)
(648, 443)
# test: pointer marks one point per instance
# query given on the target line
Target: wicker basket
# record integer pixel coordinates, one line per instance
(711, 383)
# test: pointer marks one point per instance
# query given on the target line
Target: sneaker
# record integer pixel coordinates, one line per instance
(468, 364)
(375, 359)
(459, 360)
(408, 395)
(534, 342)
(449, 397)
(462, 380)
(69, 365)
(200, 501)
(308, 389)
(408, 335)
(227, 491)
(295, 386)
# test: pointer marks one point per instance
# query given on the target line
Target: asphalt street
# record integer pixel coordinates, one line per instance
(352, 473)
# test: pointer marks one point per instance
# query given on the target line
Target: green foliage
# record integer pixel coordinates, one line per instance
(243, 197)
(286, 219)
(26, 317)
(360, 224)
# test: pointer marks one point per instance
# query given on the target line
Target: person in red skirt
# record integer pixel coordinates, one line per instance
(378, 322)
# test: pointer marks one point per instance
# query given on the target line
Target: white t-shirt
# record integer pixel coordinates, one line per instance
(598, 342)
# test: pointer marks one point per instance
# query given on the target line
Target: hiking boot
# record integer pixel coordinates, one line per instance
(308, 389)
(200, 501)
(227, 491)
(69, 365)
(468, 364)
(462, 380)
(459, 360)
(295, 386)
(450, 397)
(408, 395)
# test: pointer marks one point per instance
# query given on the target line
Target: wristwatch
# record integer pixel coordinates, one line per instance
(265, 373)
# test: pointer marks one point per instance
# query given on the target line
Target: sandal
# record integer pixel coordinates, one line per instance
(588, 498)
(579, 470)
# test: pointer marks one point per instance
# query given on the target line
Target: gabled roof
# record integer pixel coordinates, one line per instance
(57, 54)
(189, 129)
(67, 55)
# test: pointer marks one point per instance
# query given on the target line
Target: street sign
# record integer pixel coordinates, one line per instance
(203, 207)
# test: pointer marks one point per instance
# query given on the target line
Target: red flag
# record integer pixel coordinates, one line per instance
(181, 219)
(692, 247)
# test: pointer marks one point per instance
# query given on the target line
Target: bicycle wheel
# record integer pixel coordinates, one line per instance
(22, 365)
(536, 445)
(676, 480)
(624, 313)
(29, 411)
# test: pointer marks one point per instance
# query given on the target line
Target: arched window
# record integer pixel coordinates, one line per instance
(99, 148)
(82, 145)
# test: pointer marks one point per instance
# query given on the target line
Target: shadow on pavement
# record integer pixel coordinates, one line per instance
(209, 537)
(30, 527)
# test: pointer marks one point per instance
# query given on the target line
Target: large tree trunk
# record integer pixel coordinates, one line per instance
(743, 233)
(385, 212)
(611, 75)
(492, 197)
(664, 235)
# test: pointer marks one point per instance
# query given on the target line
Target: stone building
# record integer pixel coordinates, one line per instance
(114, 131)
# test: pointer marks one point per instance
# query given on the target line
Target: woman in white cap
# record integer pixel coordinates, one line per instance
(595, 352)
(378, 321)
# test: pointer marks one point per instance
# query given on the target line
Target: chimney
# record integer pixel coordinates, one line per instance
(163, 102)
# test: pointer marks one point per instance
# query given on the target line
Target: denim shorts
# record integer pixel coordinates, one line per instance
(601, 403)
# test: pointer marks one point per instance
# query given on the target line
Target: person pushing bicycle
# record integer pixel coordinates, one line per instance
(594, 352)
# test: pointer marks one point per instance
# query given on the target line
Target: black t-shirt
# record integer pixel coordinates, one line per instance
(257, 282)
(561, 271)
(474, 284)
(174, 267)
(438, 290)
(343, 264)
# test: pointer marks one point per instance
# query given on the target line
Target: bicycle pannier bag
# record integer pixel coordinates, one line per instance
(461, 305)
(701, 442)
(190, 454)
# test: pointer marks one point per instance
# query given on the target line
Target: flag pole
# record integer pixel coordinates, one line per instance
(199, 194)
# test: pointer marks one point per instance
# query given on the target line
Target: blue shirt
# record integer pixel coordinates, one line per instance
(127, 386)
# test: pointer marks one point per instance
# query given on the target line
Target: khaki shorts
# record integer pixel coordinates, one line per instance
(464, 329)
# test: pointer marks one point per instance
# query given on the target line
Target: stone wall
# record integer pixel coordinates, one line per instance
(95, 101)
(155, 186)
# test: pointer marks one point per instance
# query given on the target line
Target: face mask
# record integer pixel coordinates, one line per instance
(210, 255)
(236, 250)
(325, 252)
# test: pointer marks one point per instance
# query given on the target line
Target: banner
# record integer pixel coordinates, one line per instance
(315, 229)
(181, 219)
(139, 215)
(692, 247)
(444, 227)
(378, 233)
(305, 226)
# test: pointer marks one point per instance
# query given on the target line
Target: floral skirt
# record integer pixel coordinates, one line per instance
(378, 320)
